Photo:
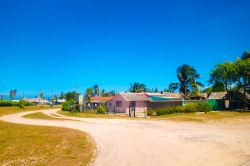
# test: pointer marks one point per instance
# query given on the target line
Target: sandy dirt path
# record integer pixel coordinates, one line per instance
(156, 143)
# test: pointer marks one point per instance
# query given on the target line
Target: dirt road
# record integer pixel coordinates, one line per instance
(157, 143)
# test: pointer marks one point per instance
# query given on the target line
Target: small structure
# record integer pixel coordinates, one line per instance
(96, 101)
(218, 101)
(167, 96)
(199, 96)
(125, 102)
(218, 95)
(37, 101)
(58, 101)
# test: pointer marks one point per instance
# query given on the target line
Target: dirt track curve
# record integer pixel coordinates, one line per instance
(156, 143)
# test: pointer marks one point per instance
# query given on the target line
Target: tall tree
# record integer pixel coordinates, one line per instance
(71, 95)
(96, 90)
(2, 97)
(218, 87)
(62, 95)
(225, 74)
(245, 55)
(41, 95)
(172, 87)
(55, 98)
(243, 74)
(89, 92)
(208, 90)
(137, 87)
(187, 77)
(12, 94)
(103, 92)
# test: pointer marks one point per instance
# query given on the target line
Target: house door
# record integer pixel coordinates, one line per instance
(132, 107)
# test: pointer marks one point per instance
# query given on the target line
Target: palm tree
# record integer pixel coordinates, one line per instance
(172, 87)
(41, 95)
(62, 96)
(137, 87)
(96, 90)
(88, 94)
(13, 94)
(245, 55)
(187, 76)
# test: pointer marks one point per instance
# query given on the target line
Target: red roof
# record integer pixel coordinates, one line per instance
(103, 99)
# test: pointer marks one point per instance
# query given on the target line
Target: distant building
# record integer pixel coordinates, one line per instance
(37, 100)
(59, 101)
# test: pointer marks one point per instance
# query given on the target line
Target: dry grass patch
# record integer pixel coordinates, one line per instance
(223, 116)
(40, 115)
(37, 145)
(14, 109)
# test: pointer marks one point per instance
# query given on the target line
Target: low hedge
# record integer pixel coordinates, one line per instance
(5, 103)
(189, 108)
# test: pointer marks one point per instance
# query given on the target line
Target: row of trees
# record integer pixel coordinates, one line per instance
(89, 92)
(228, 76)
(12, 94)
(187, 84)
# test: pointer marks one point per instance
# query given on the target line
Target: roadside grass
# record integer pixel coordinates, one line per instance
(40, 115)
(92, 114)
(221, 116)
(14, 109)
(38, 145)
(200, 117)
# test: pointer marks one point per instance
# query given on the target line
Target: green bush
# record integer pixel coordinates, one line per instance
(24, 103)
(5, 103)
(168, 110)
(189, 108)
(66, 105)
(204, 107)
(151, 112)
(102, 109)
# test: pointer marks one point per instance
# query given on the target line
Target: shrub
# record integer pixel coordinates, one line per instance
(24, 103)
(168, 110)
(204, 107)
(151, 112)
(102, 109)
(66, 105)
(5, 103)
(189, 108)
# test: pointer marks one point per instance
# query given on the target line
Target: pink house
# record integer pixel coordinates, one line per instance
(123, 101)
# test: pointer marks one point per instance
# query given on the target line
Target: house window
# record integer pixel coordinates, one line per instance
(118, 103)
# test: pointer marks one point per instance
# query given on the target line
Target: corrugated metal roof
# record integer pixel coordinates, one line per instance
(134, 96)
(217, 95)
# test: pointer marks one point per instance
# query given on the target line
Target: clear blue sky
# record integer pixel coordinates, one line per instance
(58, 44)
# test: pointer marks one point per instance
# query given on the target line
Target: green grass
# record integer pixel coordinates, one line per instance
(92, 114)
(37, 145)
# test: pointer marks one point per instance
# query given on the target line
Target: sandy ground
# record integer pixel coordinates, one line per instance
(157, 143)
